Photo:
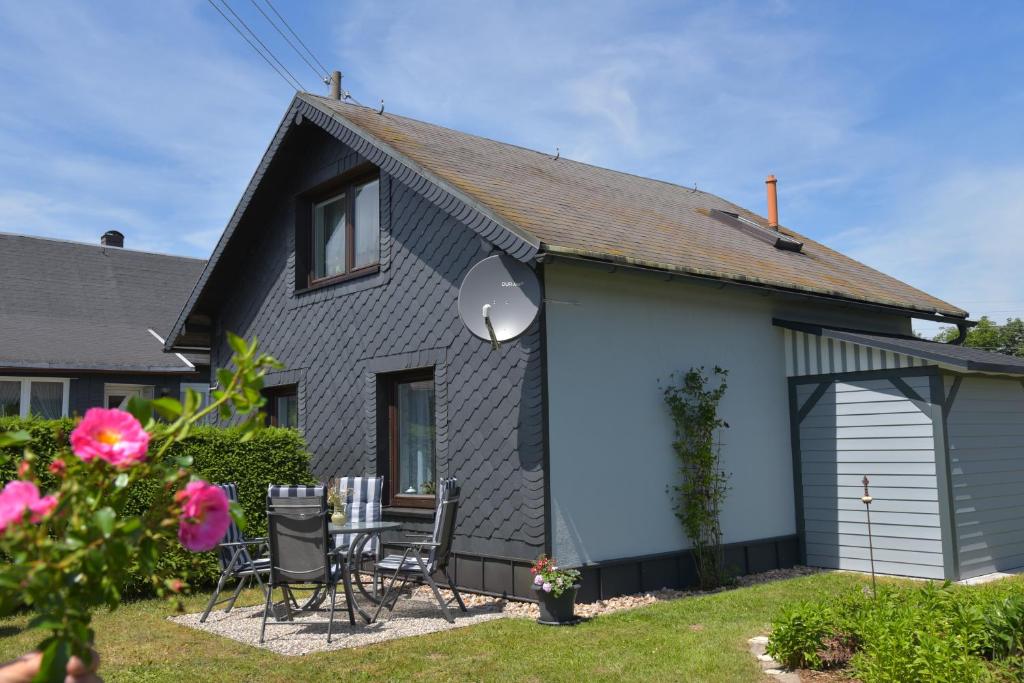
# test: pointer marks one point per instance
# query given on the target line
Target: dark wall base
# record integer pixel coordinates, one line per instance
(510, 577)
(676, 570)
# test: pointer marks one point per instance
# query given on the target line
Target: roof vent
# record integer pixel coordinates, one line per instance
(772, 237)
(112, 238)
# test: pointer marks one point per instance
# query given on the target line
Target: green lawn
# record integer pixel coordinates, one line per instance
(694, 639)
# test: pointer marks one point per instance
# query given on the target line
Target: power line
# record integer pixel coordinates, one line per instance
(322, 75)
(290, 29)
(289, 78)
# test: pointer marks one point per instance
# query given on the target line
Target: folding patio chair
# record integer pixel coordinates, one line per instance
(236, 561)
(300, 548)
(422, 559)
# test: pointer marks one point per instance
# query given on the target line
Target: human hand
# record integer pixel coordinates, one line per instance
(25, 668)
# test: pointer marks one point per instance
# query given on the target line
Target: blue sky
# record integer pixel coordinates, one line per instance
(895, 128)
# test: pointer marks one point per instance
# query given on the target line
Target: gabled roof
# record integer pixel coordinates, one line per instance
(575, 208)
(72, 306)
(953, 356)
(528, 202)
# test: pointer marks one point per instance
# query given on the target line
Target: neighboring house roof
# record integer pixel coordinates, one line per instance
(72, 306)
(953, 356)
(528, 202)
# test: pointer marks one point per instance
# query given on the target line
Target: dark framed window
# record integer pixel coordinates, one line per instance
(411, 437)
(344, 238)
(282, 408)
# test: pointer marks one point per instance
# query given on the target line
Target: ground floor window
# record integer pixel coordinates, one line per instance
(118, 395)
(282, 407)
(411, 438)
(45, 397)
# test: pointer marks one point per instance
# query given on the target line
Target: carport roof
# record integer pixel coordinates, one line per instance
(957, 357)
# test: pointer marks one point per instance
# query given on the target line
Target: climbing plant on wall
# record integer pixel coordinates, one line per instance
(692, 400)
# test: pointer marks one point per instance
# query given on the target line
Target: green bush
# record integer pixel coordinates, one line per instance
(928, 633)
(271, 456)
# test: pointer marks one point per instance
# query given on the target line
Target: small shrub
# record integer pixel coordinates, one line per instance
(929, 633)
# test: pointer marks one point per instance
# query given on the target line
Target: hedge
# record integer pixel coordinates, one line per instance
(271, 456)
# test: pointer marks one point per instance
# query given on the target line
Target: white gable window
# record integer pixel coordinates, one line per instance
(45, 397)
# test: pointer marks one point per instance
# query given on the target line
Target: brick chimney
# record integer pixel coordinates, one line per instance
(112, 238)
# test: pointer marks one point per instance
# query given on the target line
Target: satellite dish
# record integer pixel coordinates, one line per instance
(499, 299)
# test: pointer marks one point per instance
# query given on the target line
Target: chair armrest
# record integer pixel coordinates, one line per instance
(415, 544)
(251, 541)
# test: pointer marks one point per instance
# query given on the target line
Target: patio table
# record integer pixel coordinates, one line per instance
(362, 532)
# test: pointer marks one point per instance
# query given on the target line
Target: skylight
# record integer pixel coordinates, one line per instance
(772, 237)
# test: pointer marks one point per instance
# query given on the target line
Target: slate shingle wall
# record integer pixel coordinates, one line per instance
(334, 341)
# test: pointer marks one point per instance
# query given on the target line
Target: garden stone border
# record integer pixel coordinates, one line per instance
(769, 665)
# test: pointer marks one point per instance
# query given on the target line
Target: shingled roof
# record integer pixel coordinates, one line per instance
(72, 306)
(568, 207)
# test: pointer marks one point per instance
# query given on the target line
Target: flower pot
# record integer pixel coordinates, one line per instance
(558, 611)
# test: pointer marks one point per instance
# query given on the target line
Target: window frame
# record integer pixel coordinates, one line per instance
(143, 391)
(25, 397)
(347, 188)
(276, 392)
(391, 381)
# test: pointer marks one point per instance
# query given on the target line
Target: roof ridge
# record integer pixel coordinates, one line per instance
(616, 171)
(78, 243)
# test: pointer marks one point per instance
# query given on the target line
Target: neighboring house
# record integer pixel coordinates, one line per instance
(345, 256)
(83, 325)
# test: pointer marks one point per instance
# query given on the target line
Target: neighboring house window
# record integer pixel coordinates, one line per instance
(43, 397)
(346, 232)
(282, 407)
(117, 395)
(202, 389)
(411, 438)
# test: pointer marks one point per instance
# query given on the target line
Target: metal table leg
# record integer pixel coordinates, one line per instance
(358, 542)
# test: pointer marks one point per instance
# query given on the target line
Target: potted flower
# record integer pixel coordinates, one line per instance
(338, 499)
(556, 591)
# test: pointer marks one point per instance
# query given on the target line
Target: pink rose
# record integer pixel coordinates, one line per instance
(58, 468)
(546, 587)
(111, 435)
(204, 516)
(19, 497)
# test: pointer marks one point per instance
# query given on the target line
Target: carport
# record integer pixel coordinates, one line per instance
(938, 429)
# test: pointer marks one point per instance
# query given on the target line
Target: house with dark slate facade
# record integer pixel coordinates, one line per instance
(83, 325)
(345, 257)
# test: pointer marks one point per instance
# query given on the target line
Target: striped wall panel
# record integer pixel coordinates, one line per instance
(810, 354)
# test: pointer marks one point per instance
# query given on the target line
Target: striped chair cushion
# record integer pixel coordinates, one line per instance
(281, 491)
(364, 505)
(233, 535)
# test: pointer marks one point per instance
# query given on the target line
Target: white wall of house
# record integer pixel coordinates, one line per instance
(611, 336)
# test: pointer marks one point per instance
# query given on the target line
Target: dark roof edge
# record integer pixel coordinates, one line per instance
(891, 342)
(16, 366)
(511, 240)
(549, 251)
